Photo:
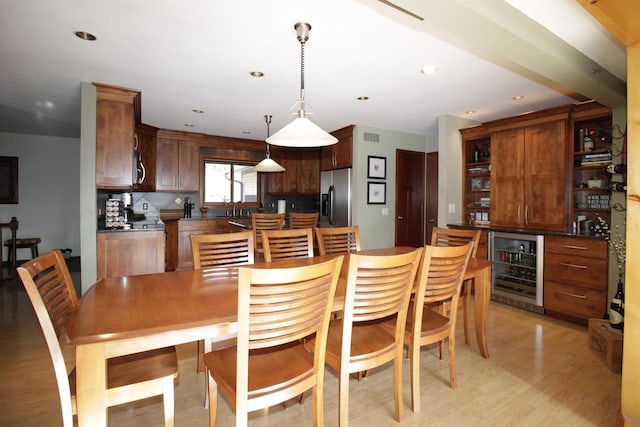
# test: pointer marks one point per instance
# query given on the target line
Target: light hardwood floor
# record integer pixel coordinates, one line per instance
(541, 373)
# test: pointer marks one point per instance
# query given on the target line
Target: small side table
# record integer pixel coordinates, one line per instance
(29, 242)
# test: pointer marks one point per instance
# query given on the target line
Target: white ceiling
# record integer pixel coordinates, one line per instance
(197, 54)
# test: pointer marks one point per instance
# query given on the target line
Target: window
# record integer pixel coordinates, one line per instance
(227, 182)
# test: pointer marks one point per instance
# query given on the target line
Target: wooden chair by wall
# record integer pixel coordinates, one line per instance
(283, 244)
(218, 250)
(224, 249)
(371, 330)
(133, 377)
(457, 237)
(338, 239)
(13, 229)
(264, 222)
(303, 220)
(270, 363)
(440, 279)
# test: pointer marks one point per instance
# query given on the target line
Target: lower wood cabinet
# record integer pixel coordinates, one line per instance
(128, 253)
(575, 278)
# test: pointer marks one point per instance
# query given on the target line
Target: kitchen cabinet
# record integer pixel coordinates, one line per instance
(302, 174)
(575, 278)
(146, 139)
(177, 164)
(476, 158)
(117, 110)
(128, 253)
(339, 155)
(529, 177)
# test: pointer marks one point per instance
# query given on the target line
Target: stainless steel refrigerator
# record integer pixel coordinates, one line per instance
(335, 198)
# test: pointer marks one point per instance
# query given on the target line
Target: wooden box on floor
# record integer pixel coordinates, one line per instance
(606, 342)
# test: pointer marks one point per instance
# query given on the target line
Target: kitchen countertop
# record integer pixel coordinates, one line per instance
(523, 231)
(135, 226)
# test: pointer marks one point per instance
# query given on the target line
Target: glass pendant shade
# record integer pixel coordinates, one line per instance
(302, 132)
(269, 165)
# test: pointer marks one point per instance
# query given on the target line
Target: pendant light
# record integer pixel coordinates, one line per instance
(302, 132)
(268, 164)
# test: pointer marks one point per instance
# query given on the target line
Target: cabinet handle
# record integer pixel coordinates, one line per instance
(526, 215)
(564, 264)
(519, 214)
(573, 295)
(580, 248)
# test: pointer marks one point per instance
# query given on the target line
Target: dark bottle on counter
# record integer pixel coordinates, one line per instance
(616, 309)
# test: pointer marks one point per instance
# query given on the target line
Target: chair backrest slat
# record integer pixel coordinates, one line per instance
(290, 243)
(303, 220)
(455, 237)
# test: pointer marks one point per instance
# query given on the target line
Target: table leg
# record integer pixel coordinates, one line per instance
(91, 385)
(481, 304)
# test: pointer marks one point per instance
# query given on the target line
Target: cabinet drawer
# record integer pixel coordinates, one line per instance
(570, 269)
(576, 247)
(577, 301)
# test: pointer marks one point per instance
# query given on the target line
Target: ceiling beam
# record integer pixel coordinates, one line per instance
(501, 34)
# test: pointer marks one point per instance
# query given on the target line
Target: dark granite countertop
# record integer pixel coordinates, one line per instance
(524, 231)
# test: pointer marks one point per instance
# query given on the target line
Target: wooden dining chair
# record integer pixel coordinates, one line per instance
(338, 239)
(277, 308)
(303, 220)
(220, 250)
(457, 237)
(283, 244)
(132, 377)
(262, 221)
(440, 278)
(371, 330)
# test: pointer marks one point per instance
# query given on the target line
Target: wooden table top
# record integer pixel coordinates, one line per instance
(135, 306)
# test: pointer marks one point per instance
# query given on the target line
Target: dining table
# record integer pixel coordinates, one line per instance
(130, 314)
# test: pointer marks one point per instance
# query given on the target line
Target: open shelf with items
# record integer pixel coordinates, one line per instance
(592, 153)
(477, 175)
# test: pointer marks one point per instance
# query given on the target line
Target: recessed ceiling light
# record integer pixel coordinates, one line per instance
(257, 74)
(189, 125)
(428, 69)
(470, 112)
(517, 97)
(197, 110)
(85, 35)
(363, 98)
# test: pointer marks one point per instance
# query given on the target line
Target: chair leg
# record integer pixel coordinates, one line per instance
(452, 360)
(169, 405)
(415, 378)
(199, 354)
(397, 384)
(213, 400)
(343, 400)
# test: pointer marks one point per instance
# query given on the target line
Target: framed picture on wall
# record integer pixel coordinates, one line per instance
(8, 180)
(377, 167)
(376, 193)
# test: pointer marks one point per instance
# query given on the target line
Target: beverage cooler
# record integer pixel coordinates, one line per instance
(517, 269)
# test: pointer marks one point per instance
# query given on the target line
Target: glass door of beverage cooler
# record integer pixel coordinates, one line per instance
(517, 269)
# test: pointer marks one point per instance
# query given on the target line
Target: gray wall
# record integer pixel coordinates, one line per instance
(48, 183)
(377, 228)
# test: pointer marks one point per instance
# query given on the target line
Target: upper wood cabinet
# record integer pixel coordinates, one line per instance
(529, 177)
(117, 111)
(339, 155)
(302, 174)
(177, 165)
(145, 176)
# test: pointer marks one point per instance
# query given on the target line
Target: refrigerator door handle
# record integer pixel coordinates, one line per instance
(332, 200)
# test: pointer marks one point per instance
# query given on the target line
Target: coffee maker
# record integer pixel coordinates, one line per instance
(127, 205)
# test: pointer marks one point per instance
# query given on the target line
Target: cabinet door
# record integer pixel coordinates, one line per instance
(114, 144)
(146, 136)
(344, 152)
(545, 176)
(189, 170)
(129, 253)
(167, 166)
(283, 182)
(309, 172)
(507, 178)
